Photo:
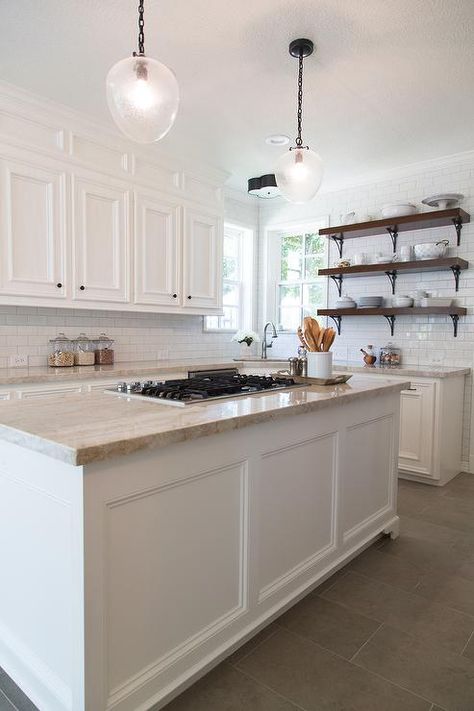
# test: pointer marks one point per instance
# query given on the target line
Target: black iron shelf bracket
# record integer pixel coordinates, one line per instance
(456, 272)
(455, 320)
(339, 241)
(338, 279)
(393, 232)
(391, 320)
(392, 276)
(337, 320)
(457, 222)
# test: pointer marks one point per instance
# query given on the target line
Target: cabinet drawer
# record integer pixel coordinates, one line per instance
(49, 391)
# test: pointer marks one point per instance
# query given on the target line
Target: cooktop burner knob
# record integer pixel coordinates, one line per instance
(122, 387)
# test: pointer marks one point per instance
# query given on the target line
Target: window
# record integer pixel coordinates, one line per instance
(295, 255)
(237, 281)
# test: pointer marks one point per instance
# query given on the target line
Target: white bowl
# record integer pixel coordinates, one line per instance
(345, 304)
(398, 209)
(431, 250)
(402, 302)
(435, 301)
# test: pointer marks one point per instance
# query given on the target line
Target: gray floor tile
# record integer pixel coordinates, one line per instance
(332, 626)
(410, 612)
(226, 689)
(412, 502)
(437, 674)
(395, 571)
(448, 589)
(5, 705)
(454, 513)
(252, 643)
(421, 530)
(14, 694)
(318, 680)
(460, 487)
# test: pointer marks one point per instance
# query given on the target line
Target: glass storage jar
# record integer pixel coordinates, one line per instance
(104, 354)
(390, 355)
(62, 354)
(84, 350)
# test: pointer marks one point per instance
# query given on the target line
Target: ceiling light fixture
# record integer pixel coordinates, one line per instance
(299, 171)
(142, 93)
(263, 187)
(277, 139)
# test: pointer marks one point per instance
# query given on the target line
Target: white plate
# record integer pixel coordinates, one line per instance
(443, 201)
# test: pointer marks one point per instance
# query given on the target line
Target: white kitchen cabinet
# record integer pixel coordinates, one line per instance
(157, 251)
(48, 391)
(101, 237)
(202, 260)
(417, 419)
(33, 230)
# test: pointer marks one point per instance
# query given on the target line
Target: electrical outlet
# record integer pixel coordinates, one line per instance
(20, 360)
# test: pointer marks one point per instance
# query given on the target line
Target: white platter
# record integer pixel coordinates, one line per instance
(443, 201)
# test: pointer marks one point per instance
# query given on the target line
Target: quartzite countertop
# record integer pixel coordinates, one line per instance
(82, 428)
(125, 369)
(411, 371)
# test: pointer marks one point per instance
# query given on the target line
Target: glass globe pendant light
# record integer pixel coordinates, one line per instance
(299, 171)
(142, 93)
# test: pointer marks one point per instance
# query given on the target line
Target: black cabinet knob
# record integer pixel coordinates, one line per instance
(59, 285)
(175, 296)
(190, 297)
(82, 287)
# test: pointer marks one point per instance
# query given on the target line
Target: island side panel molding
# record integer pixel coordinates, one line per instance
(186, 572)
(41, 607)
(296, 515)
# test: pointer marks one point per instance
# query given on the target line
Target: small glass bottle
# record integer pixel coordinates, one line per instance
(104, 354)
(62, 354)
(369, 355)
(84, 350)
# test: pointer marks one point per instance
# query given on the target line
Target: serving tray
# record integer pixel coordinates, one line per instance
(305, 379)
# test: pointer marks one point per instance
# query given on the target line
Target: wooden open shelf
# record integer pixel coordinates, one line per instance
(392, 269)
(391, 313)
(393, 225)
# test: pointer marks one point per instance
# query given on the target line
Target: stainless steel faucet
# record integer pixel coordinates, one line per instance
(266, 345)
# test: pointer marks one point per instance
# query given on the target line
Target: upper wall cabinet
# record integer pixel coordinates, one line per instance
(101, 236)
(33, 230)
(157, 251)
(202, 263)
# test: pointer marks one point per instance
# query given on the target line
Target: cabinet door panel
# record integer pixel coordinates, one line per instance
(157, 251)
(33, 230)
(202, 261)
(101, 241)
(417, 428)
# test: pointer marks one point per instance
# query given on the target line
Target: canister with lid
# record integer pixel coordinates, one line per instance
(84, 350)
(390, 355)
(62, 353)
(104, 354)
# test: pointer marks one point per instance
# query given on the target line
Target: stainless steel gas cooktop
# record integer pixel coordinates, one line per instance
(202, 386)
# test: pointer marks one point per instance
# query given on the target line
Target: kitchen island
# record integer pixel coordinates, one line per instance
(142, 543)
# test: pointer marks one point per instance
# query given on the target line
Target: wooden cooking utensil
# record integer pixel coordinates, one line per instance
(330, 340)
(309, 333)
(320, 338)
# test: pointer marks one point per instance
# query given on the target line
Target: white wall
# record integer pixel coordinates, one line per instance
(424, 340)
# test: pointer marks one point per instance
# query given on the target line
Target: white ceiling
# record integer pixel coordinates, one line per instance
(391, 82)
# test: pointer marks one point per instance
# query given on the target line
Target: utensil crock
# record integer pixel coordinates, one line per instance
(319, 364)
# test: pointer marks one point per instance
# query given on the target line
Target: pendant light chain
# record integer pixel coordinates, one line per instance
(141, 30)
(299, 140)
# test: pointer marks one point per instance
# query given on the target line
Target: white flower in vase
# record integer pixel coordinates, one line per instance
(245, 337)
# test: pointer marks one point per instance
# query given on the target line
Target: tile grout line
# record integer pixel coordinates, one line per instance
(259, 644)
(366, 642)
(270, 688)
(467, 643)
(9, 700)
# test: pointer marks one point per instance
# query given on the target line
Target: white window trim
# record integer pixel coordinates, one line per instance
(248, 267)
(271, 260)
